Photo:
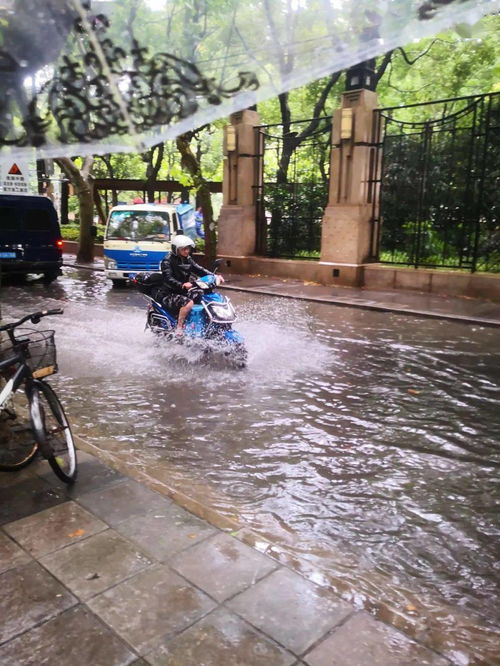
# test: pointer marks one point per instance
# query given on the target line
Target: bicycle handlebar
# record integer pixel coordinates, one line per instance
(34, 317)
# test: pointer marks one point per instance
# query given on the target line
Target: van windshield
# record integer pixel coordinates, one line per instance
(138, 225)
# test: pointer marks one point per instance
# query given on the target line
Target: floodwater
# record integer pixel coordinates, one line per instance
(365, 442)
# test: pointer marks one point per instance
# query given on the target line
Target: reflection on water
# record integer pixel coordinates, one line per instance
(367, 436)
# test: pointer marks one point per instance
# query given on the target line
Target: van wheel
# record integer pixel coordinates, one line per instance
(50, 276)
(119, 284)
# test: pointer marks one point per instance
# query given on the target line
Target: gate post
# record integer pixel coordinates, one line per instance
(237, 220)
(346, 232)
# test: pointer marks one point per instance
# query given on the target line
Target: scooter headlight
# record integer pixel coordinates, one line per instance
(222, 312)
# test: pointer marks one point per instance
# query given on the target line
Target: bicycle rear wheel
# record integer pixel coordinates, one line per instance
(59, 444)
(18, 445)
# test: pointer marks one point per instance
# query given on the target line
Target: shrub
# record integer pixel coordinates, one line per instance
(70, 232)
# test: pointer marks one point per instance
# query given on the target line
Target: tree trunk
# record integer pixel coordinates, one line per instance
(153, 168)
(99, 207)
(111, 174)
(81, 181)
(193, 167)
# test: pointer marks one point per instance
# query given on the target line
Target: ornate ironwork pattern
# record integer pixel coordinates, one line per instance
(80, 104)
(293, 187)
(438, 184)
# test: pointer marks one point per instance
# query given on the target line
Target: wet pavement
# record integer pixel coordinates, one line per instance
(466, 310)
(110, 572)
(123, 571)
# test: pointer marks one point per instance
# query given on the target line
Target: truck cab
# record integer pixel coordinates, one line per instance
(136, 239)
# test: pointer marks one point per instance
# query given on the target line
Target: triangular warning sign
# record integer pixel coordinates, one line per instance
(15, 170)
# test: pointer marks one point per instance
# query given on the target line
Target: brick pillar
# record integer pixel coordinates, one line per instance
(346, 228)
(237, 220)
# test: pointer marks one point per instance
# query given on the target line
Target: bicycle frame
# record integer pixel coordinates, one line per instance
(22, 373)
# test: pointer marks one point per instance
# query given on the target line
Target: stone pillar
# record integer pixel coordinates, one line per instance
(237, 224)
(346, 228)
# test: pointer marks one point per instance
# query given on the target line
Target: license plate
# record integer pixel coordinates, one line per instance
(7, 255)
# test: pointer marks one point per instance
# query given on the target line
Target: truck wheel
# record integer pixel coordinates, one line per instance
(119, 284)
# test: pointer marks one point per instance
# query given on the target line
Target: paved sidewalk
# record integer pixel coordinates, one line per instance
(111, 572)
(420, 304)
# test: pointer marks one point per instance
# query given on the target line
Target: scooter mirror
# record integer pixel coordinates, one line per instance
(217, 263)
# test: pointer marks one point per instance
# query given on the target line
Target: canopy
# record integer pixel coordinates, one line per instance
(80, 78)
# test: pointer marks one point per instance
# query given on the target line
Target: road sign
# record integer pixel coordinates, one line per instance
(17, 178)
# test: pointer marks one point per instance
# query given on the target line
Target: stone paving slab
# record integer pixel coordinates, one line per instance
(29, 595)
(11, 555)
(165, 534)
(152, 605)
(92, 475)
(13, 478)
(363, 640)
(50, 530)
(223, 566)
(291, 610)
(96, 563)
(74, 638)
(28, 497)
(124, 500)
(223, 639)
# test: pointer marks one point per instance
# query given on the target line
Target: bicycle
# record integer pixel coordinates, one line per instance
(33, 417)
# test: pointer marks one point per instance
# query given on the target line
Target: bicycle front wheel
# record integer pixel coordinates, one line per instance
(18, 445)
(59, 446)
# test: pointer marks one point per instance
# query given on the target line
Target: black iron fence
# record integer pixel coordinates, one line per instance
(293, 176)
(439, 179)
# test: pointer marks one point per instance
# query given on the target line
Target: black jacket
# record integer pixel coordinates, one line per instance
(178, 270)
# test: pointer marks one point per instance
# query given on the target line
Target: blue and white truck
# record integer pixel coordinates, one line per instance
(138, 236)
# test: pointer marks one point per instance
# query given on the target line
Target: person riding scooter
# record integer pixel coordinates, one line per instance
(177, 267)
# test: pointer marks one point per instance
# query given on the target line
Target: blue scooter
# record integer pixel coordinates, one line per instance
(209, 324)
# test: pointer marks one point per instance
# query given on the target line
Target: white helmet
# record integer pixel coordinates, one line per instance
(180, 242)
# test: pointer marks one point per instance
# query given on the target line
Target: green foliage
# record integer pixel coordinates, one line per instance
(294, 212)
(71, 232)
(448, 65)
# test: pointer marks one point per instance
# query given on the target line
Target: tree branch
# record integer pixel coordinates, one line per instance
(420, 55)
(319, 107)
(383, 66)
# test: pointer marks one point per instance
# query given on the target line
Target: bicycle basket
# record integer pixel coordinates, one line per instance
(41, 358)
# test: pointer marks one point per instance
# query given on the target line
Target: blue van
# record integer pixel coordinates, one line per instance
(30, 237)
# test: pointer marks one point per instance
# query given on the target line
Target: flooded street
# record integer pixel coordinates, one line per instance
(365, 442)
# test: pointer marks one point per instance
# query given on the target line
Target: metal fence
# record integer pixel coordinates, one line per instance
(293, 176)
(438, 180)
